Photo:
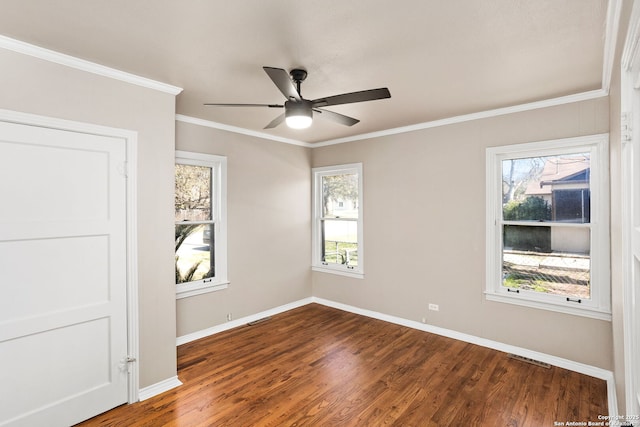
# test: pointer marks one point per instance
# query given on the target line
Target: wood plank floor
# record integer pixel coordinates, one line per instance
(318, 366)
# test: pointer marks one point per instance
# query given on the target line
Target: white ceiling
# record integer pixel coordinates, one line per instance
(438, 58)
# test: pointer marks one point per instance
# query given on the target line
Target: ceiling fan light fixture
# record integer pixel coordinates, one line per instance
(298, 114)
(298, 122)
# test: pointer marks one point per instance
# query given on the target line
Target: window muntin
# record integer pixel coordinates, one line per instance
(337, 237)
(547, 225)
(200, 229)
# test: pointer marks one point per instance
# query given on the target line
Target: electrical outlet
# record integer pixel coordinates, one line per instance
(229, 317)
(434, 307)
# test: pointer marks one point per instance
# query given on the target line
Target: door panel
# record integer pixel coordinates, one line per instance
(33, 168)
(68, 262)
(63, 325)
(26, 354)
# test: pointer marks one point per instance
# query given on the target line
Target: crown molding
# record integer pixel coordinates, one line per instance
(83, 65)
(583, 96)
(235, 129)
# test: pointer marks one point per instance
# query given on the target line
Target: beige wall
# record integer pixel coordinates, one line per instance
(269, 226)
(34, 86)
(424, 231)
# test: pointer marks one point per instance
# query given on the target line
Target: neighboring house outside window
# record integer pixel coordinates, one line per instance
(564, 184)
(337, 226)
(200, 223)
(547, 225)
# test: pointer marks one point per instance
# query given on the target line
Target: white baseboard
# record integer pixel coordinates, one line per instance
(570, 365)
(157, 388)
(241, 321)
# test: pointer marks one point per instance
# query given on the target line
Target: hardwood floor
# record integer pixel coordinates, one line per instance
(318, 366)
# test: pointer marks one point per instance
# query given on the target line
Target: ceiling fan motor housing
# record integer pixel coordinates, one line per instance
(299, 114)
(298, 74)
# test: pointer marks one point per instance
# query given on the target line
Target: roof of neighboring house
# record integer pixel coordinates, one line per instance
(558, 169)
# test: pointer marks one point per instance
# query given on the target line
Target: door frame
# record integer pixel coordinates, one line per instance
(130, 171)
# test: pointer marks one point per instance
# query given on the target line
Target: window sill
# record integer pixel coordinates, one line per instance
(583, 311)
(199, 288)
(338, 271)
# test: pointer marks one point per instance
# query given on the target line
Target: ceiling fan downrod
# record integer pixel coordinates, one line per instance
(298, 75)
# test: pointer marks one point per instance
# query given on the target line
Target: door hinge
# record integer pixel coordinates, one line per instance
(626, 133)
(123, 169)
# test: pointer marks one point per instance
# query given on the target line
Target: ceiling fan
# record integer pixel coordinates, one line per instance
(298, 112)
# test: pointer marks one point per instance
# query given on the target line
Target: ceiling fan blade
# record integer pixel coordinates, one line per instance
(246, 105)
(275, 122)
(282, 80)
(338, 118)
(348, 98)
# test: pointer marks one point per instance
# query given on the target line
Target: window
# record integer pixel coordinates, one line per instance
(337, 226)
(548, 225)
(200, 223)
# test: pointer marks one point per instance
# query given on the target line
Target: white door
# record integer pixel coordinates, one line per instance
(63, 300)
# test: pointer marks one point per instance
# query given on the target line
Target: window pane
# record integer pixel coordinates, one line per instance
(572, 205)
(551, 188)
(192, 193)
(194, 252)
(340, 242)
(553, 260)
(340, 196)
(530, 239)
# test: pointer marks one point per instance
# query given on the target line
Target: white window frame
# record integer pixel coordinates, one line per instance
(218, 165)
(316, 263)
(599, 305)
